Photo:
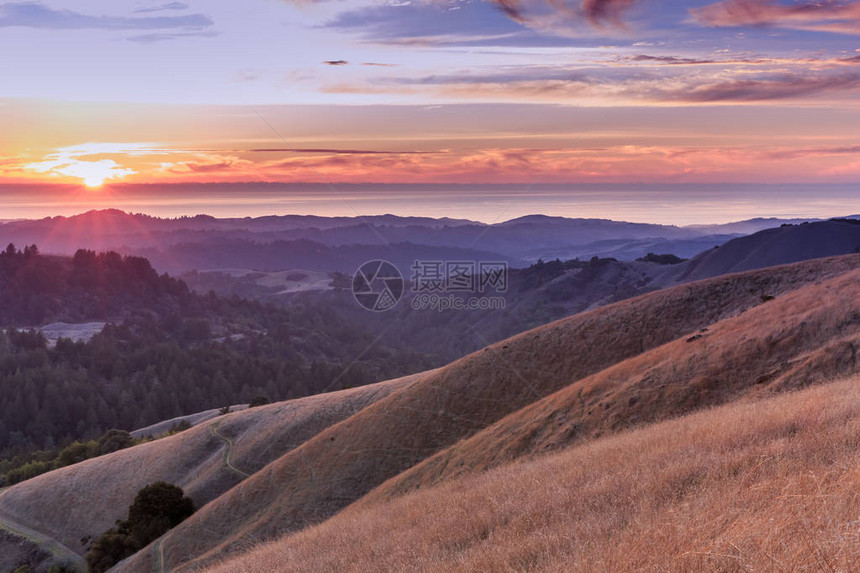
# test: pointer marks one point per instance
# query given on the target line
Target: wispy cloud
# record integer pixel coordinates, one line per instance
(336, 62)
(92, 163)
(166, 36)
(608, 86)
(207, 165)
(36, 15)
(163, 7)
(336, 151)
(841, 17)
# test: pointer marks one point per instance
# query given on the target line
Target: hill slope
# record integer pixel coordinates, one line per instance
(800, 338)
(781, 245)
(768, 485)
(97, 492)
(347, 460)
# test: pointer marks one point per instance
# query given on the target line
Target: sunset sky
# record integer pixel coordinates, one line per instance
(539, 94)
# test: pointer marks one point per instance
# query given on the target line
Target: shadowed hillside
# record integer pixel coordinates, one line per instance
(347, 460)
(97, 492)
(778, 246)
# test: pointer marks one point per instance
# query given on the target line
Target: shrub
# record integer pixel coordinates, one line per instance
(258, 401)
(77, 452)
(157, 508)
(115, 440)
(179, 426)
(667, 259)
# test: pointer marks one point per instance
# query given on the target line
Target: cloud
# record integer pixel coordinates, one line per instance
(781, 61)
(780, 87)
(813, 152)
(337, 151)
(432, 24)
(685, 61)
(420, 20)
(821, 16)
(336, 62)
(606, 11)
(166, 36)
(163, 7)
(629, 85)
(213, 164)
(543, 13)
(35, 15)
(87, 162)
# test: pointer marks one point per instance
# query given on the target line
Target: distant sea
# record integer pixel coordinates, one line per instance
(680, 204)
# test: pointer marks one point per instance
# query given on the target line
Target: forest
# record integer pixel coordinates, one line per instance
(164, 351)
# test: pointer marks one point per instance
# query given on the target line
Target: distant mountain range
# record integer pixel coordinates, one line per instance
(341, 243)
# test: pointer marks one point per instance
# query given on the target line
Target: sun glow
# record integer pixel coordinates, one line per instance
(81, 162)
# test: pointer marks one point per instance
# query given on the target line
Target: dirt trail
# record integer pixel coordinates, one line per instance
(158, 547)
(228, 451)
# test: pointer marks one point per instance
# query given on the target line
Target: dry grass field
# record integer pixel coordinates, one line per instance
(795, 340)
(347, 460)
(764, 485)
(97, 492)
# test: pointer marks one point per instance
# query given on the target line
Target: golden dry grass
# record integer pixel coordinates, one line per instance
(344, 462)
(767, 485)
(803, 337)
(97, 492)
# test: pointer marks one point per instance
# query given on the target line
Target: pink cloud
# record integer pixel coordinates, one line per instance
(823, 16)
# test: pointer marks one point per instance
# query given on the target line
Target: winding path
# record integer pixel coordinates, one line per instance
(228, 451)
(159, 563)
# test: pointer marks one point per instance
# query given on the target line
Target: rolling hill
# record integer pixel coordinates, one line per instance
(766, 485)
(98, 491)
(777, 246)
(275, 243)
(346, 461)
(566, 387)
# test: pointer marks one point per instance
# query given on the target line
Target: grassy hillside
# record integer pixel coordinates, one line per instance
(767, 485)
(347, 460)
(97, 492)
(802, 337)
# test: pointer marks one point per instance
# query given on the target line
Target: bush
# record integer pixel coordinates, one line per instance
(258, 401)
(179, 426)
(157, 508)
(667, 259)
(77, 452)
(115, 440)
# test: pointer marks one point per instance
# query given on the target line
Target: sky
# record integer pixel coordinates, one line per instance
(662, 111)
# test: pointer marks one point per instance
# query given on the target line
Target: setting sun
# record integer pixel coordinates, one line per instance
(94, 181)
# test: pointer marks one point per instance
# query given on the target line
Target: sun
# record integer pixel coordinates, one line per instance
(94, 181)
(93, 174)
